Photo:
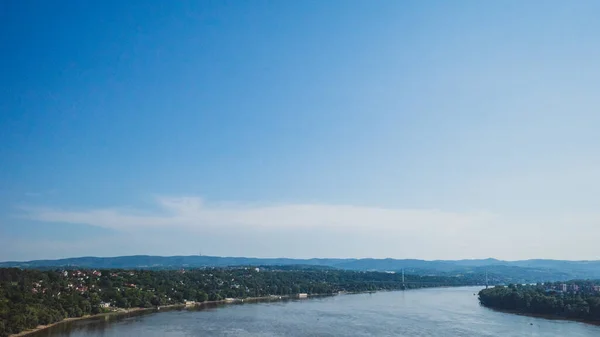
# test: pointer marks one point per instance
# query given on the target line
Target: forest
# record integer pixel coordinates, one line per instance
(579, 300)
(29, 298)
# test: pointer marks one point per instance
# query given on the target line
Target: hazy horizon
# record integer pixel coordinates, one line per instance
(291, 258)
(426, 130)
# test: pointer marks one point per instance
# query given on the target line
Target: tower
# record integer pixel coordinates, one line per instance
(486, 279)
(403, 285)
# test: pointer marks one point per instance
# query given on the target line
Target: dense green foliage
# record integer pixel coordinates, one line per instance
(573, 300)
(31, 297)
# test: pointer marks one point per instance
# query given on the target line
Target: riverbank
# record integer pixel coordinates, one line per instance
(431, 312)
(198, 305)
(117, 312)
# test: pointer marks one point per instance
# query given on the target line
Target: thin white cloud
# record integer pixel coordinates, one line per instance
(192, 213)
(184, 225)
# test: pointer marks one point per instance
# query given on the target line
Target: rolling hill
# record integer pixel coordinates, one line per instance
(538, 270)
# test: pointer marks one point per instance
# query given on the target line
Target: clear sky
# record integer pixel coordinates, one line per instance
(404, 129)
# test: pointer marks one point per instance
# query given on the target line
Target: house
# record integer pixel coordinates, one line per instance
(104, 305)
(189, 303)
(302, 295)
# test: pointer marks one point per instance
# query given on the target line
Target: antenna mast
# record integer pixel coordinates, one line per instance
(403, 285)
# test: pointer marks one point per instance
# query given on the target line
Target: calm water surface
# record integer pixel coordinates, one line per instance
(427, 312)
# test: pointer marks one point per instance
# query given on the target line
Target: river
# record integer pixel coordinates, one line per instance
(424, 312)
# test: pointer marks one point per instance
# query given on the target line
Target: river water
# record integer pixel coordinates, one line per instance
(424, 312)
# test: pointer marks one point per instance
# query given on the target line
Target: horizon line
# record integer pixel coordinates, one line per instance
(294, 258)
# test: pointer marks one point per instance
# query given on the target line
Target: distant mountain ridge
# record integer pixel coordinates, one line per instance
(525, 270)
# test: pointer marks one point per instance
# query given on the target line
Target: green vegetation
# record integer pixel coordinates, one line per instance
(578, 300)
(29, 298)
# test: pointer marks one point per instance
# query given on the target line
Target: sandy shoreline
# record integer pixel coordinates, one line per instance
(199, 305)
(161, 308)
(270, 298)
(72, 319)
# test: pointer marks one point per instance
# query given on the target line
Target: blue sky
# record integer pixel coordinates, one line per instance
(405, 129)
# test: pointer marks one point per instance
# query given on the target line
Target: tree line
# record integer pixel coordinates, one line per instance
(573, 300)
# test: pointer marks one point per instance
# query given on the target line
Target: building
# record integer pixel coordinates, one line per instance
(104, 305)
(302, 295)
(563, 287)
(189, 303)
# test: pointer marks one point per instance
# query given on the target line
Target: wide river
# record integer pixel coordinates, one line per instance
(426, 312)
